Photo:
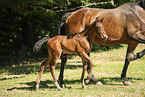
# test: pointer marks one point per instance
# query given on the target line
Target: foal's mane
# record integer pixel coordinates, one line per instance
(83, 32)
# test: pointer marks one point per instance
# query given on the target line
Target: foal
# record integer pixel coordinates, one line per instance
(72, 44)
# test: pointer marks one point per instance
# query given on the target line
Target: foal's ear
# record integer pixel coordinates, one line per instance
(102, 19)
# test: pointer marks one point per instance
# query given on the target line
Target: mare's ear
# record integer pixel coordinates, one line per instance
(142, 3)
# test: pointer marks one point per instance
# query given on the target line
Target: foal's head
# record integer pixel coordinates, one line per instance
(100, 28)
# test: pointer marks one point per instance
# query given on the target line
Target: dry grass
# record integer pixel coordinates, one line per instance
(18, 81)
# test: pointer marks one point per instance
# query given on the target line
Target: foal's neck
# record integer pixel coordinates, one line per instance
(87, 29)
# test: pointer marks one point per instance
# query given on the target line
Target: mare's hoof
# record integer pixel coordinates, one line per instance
(127, 83)
(98, 83)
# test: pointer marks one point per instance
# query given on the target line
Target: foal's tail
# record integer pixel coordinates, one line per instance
(61, 31)
(39, 44)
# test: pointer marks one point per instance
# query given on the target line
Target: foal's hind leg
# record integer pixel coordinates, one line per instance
(43, 66)
(52, 70)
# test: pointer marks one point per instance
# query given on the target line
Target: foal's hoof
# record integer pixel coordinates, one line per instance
(98, 83)
(63, 85)
(83, 87)
(87, 81)
(36, 88)
(127, 83)
(60, 89)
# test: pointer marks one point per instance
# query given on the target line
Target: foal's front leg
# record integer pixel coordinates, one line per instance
(83, 73)
(84, 56)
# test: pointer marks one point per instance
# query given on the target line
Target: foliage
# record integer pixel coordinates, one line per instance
(23, 22)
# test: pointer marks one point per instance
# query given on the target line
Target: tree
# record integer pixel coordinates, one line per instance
(23, 22)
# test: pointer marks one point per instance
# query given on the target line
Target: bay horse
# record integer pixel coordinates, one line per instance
(123, 25)
(77, 43)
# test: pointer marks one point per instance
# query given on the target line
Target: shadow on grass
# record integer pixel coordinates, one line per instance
(111, 81)
(31, 85)
(32, 68)
(115, 81)
(43, 85)
(2, 79)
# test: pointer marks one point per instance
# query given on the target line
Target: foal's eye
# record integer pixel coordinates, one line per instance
(98, 27)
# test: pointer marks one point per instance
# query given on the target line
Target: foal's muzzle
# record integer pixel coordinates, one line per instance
(105, 38)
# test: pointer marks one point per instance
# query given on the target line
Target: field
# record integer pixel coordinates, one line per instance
(19, 80)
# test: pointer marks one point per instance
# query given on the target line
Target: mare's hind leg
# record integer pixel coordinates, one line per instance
(129, 54)
(64, 58)
(130, 57)
(52, 70)
(43, 66)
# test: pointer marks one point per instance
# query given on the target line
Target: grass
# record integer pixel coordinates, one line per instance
(18, 81)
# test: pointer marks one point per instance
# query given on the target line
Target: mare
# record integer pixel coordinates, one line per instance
(72, 44)
(123, 25)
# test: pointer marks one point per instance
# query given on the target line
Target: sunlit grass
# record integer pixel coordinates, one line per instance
(19, 81)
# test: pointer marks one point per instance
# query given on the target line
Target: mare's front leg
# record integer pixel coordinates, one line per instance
(64, 58)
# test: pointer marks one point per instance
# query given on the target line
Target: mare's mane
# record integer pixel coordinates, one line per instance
(141, 3)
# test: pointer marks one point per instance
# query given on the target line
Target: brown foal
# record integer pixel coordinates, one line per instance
(72, 44)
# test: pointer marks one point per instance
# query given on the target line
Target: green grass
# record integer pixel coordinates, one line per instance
(18, 81)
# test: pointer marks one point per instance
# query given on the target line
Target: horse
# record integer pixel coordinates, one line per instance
(77, 43)
(123, 25)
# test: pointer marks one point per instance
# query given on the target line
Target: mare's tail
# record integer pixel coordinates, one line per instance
(39, 44)
(61, 29)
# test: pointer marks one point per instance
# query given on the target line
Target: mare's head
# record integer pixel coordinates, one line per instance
(141, 3)
(100, 29)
